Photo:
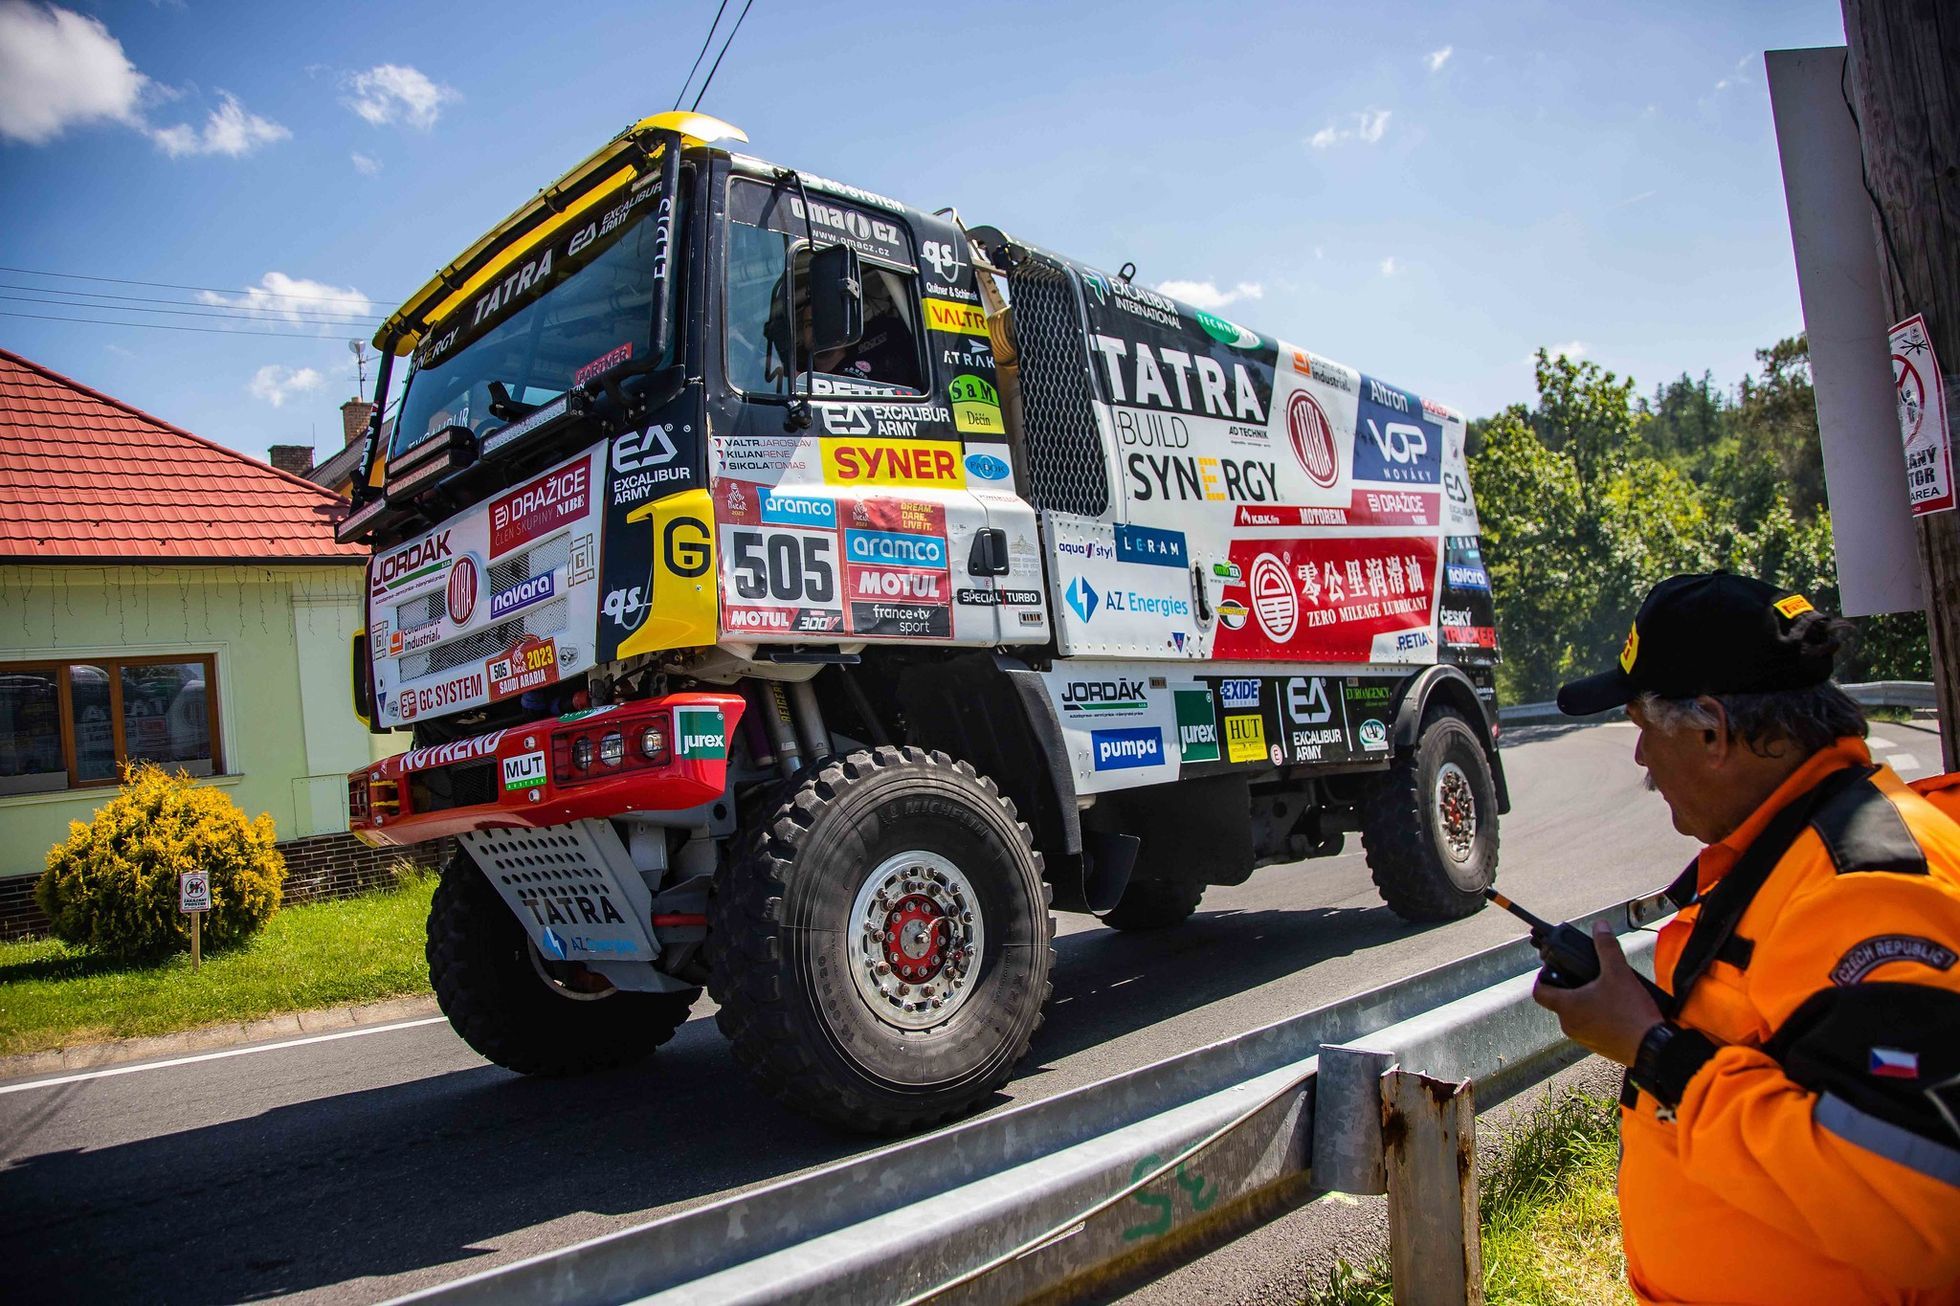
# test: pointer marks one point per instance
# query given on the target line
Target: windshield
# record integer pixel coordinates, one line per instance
(575, 309)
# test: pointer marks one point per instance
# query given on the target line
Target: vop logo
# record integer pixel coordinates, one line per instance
(1399, 442)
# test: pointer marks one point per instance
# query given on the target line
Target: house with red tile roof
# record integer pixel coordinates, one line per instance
(165, 598)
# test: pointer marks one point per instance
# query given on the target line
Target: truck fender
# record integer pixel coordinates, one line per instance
(1447, 685)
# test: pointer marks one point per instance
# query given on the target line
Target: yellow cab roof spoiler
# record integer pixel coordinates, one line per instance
(610, 167)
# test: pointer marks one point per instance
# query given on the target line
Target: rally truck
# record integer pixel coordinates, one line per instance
(798, 595)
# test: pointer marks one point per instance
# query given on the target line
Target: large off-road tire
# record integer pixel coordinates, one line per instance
(869, 867)
(500, 997)
(1430, 824)
(1152, 904)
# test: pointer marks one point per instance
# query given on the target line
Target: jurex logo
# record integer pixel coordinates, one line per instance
(1123, 750)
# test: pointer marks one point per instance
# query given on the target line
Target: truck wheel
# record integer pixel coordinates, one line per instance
(1154, 904)
(881, 949)
(522, 1012)
(1430, 824)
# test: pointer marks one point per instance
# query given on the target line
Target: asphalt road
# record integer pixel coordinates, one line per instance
(353, 1169)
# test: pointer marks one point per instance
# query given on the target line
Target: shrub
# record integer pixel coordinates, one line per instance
(112, 885)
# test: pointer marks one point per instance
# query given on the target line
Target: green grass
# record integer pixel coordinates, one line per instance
(1551, 1219)
(321, 954)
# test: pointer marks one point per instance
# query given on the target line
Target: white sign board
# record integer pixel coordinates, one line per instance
(194, 891)
(1922, 418)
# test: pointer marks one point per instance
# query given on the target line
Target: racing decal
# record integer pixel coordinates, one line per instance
(603, 363)
(1197, 726)
(525, 771)
(520, 563)
(677, 541)
(955, 318)
(976, 406)
(1396, 438)
(877, 235)
(898, 568)
(988, 464)
(1122, 589)
(1334, 599)
(1123, 750)
(1245, 738)
(700, 732)
(776, 577)
(913, 463)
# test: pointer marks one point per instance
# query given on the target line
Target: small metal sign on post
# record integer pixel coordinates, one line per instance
(194, 899)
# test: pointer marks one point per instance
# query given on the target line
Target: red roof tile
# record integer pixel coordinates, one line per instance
(84, 476)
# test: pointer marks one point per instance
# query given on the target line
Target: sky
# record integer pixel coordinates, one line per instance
(1426, 192)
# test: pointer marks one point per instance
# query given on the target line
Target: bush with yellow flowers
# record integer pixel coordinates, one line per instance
(112, 885)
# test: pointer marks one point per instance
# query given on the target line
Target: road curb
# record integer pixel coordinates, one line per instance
(212, 1038)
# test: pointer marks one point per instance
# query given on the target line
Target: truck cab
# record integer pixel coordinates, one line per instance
(795, 593)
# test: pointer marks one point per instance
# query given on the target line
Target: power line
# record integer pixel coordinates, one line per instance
(724, 50)
(171, 285)
(166, 326)
(186, 303)
(219, 314)
(706, 41)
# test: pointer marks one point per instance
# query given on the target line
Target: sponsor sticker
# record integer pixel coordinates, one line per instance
(1273, 599)
(522, 595)
(1794, 606)
(1118, 696)
(890, 548)
(1312, 437)
(1373, 735)
(976, 406)
(1197, 725)
(786, 508)
(1124, 750)
(462, 590)
(1237, 695)
(1232, 614)
(525, 771)
(412, 563)
(531, 662)
(1394, 438)
(955, 318)
(540, 506)
(1245, 738)
(459, 750)
(926, 464)
(603, 363)
(987, 467)
(1150, 546)
(700, 733)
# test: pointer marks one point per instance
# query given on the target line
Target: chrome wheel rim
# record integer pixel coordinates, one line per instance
(916, 940)
(1456, 811)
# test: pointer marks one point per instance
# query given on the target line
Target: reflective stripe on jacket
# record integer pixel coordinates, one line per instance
(1784, 1174)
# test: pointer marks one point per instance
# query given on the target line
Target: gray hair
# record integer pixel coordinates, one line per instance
(1812, 719)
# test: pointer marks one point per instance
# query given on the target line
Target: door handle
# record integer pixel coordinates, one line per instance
(988, 556)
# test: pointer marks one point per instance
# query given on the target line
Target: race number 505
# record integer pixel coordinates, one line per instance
(784, 566)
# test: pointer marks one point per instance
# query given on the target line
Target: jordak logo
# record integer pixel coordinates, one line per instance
(1103, 697)
(423, 558)
(892, 462)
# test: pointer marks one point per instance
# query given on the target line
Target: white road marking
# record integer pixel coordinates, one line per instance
(1882, 745)
(218, 1056)
(1902, 762)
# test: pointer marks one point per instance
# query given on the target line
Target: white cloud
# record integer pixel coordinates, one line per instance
(231, 130)
(388, 93)
(297, 300)
(1207, 295)
(60, 69)
(1437, 58)
(1390, 267)
(1368, 127)
(1739, 75)
(364, 165)
(276, 384)
(1572, 349)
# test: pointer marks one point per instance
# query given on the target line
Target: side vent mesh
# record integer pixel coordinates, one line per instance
(1067, 471)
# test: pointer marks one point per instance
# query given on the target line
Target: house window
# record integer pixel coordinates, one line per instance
(66, 725)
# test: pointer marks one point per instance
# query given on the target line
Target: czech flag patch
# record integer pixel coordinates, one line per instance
(1894, 1063)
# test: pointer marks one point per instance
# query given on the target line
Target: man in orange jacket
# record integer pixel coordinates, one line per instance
(1790, 1128)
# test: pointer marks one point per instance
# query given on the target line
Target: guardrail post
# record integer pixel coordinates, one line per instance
(1429, 1140)
(1347, 1119)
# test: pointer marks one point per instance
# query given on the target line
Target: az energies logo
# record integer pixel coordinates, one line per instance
(1273, 599)
(462, 590)
(1313, 439)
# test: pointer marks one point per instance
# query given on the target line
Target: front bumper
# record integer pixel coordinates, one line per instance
(529, 776)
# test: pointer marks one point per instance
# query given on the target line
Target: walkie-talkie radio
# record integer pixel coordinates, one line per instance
(1570, 959)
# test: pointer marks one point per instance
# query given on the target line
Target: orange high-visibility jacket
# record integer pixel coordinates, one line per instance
(1812, 1153)
(1942, 791)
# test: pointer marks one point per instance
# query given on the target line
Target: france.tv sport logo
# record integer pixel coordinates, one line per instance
(1123, 750)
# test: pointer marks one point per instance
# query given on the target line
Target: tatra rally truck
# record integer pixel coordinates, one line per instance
(799, 595)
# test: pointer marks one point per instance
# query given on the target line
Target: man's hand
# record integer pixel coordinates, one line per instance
(1610, 1015)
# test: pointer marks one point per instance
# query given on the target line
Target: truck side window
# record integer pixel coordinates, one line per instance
(764, 352)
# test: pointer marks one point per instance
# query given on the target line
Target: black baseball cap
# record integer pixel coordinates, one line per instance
(1709, 633)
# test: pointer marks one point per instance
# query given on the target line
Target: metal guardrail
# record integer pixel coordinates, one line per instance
(1106, 1183)
(1876, 693)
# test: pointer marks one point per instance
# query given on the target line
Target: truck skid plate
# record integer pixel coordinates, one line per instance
(573, 887)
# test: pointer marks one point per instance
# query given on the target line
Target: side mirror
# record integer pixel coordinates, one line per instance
(363, 678)
(836, 298)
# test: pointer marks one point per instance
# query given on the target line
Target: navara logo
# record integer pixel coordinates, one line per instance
(1103, 697)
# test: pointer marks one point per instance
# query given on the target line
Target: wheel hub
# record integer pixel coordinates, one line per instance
(1456, 811)
(918, 940)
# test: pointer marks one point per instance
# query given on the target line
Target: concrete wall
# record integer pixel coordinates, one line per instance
(280, 639)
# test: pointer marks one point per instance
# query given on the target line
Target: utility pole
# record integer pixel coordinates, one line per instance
(1905, 89)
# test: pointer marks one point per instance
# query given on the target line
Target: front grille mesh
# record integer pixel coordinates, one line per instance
(1066, 467)
(546, 619)
(441, 788)
(549, 556)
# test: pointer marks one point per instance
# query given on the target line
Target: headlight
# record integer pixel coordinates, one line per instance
(653, 742)
(582, 752)
(612, 749)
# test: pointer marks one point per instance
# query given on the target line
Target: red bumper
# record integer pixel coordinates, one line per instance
(657, 755)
